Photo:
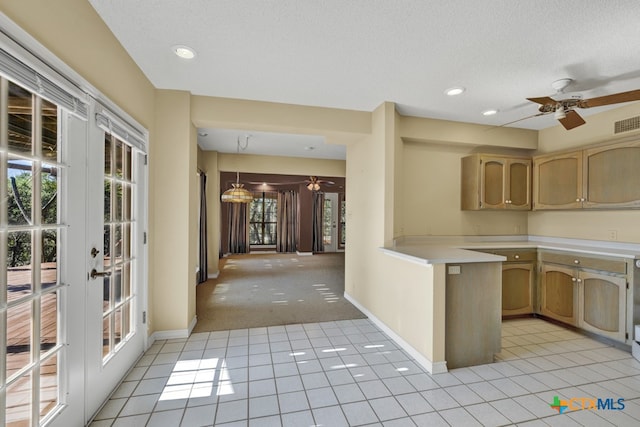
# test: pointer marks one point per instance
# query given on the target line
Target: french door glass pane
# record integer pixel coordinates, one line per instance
(48, 385)
(30, 166)
(19, 401)
(20, 119)
(327, 218)
(119, 191)
(343, 219)
(19, 190)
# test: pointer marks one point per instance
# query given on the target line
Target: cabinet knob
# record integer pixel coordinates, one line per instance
(579, 280)
(516, 256)
(573, 279)
(576, 261)
(577, 200)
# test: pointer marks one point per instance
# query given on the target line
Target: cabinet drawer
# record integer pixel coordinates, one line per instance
(514, 255)
(614, 265)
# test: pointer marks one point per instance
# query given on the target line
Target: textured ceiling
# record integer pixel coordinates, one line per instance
(357, 54)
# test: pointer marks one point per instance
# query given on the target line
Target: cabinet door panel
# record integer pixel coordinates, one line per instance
(493, 185)
(559, 294)
(558, 182)
(520, 184)
(612, 174)
(603, 303)
(517, 282)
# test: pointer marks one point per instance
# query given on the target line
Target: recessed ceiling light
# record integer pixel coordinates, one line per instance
(184, 52)
(453, 91)
(489, 112)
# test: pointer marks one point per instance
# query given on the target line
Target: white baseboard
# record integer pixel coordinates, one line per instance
(304, 253)
(431, 367)
(175, 333)
(213, 275)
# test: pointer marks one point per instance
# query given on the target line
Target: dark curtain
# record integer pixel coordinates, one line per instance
(203, 273)
(287, 225)
(238, 228)
(318, 205)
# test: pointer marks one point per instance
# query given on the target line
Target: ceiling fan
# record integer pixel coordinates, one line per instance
(314, 183)
(563, 107)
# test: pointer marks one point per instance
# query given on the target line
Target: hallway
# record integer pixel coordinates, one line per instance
(269, 289)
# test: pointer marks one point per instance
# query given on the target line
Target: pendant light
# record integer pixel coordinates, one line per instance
(237, 193)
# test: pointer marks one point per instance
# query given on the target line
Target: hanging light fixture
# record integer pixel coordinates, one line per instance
(237, 193)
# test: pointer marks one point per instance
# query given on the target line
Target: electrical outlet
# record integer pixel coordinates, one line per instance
(453, 269)
(612, 234)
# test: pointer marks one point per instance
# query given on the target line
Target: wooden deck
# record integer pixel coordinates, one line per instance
(19, 318)
(19, 336)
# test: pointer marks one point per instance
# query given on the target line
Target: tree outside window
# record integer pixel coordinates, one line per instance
(263, 212)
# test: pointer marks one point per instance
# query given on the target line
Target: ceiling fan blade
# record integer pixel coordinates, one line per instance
(519, 120)
(571, 120)
(545, 100)
(616, 98)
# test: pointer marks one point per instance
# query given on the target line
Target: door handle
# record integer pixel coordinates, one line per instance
(95, 273)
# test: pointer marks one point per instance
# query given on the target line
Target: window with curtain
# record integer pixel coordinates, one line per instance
(343, 222)
(263, 216)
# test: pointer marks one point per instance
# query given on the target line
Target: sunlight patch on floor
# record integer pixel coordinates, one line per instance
(196, 378)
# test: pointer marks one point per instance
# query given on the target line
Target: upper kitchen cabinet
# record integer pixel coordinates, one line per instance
(557, 181)
(612, 176)
(496, 182)
(602, 177)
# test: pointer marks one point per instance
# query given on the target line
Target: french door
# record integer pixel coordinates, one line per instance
(114, 250)
(330, 222)
(72, 281)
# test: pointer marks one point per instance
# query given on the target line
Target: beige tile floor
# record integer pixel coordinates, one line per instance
(349, 373)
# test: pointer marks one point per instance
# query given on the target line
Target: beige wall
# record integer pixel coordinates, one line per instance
(280, 165)
(593, 225)
(431, 174)
(400, 294)
(175, 184)
(337, 126)
(430, 177)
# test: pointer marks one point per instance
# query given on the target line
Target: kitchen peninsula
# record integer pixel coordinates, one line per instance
(467, 290)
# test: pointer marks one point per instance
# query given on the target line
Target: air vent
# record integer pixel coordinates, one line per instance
(627, 125)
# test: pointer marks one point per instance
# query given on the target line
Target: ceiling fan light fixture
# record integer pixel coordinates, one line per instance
(237, 194)
(453, 91)
(559, 114)
(313, 186)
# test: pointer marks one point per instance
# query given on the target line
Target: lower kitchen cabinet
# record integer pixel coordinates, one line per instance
(559, 293)
(603, 304)
(587, 292)
(518, 280)
(517, 288)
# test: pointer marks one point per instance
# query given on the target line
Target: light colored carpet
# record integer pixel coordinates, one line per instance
(259, 290)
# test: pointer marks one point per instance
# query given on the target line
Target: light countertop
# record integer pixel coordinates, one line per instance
(460, 249)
